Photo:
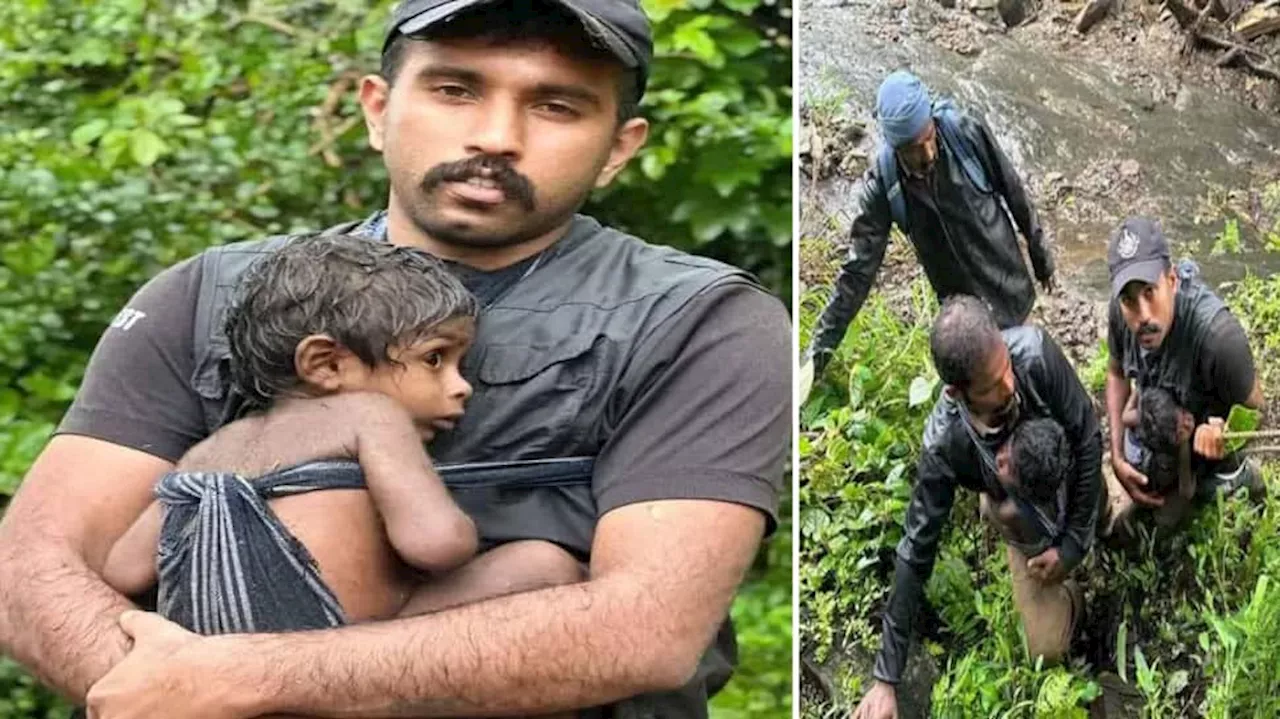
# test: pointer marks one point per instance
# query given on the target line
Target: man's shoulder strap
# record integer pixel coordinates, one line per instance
(220, 270)
(948, 118)
(887, 164)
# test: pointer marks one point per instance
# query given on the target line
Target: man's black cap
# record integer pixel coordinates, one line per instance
(1137, 251)
(619, 26)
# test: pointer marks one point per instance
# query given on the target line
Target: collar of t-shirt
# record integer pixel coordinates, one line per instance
(486, 285)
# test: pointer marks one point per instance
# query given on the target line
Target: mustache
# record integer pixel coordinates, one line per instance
(490, 167)
(1149, 328)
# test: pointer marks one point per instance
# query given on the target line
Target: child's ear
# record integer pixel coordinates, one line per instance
(1003, 472)
(323, 363)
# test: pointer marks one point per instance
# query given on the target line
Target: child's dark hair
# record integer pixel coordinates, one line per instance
(1158, 420)
(1040, 458)
(1158, 428)
(367, 295)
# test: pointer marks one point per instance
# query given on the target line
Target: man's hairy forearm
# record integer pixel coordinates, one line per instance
(57, 617)
(1117, 396)
(556, 649)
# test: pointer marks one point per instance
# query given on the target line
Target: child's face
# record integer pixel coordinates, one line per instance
(425, 376)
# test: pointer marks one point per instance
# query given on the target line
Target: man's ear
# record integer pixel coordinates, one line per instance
(374, 95)
(323, 363)
(627, 141)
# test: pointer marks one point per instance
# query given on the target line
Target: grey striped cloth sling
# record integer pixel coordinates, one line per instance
(227, 564)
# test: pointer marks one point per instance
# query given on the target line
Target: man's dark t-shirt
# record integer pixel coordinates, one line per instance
(1224, 369)
(705, 422)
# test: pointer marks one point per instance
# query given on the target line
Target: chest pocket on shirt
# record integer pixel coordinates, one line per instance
(533, 388)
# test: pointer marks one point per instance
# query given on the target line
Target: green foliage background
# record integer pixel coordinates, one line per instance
(137, 132)
(1199, 613)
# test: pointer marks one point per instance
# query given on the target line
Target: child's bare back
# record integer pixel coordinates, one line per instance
(365, 542)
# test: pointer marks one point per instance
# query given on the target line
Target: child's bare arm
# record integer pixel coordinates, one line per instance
(428, 530)
(1129, 417)
(131, 564)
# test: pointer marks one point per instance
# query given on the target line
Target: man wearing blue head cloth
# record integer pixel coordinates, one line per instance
(942, 179)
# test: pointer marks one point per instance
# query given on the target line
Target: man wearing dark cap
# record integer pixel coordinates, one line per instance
(940, 176)
(1167, 330)
(631, 404)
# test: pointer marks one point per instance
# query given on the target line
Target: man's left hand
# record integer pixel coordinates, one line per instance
(1208, 439)
(162, 676)
(1046, 566)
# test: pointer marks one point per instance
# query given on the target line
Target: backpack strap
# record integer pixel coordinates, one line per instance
(961, 146)
(888, 166)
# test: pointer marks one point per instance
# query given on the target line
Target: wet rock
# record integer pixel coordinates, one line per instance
(1091, 13)
(831, 144)
(1014, 12)
(1118, 700)
(1072, 319)
(1261, 19)
(914, 691)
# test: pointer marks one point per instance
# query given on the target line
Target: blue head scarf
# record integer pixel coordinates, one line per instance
(903, 108)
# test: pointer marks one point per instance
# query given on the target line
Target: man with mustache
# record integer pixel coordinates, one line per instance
(1167, 330)
(630, 404)
(942, 178)
(997, 381)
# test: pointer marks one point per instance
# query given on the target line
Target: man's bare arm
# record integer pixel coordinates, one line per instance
(1256, 400)
(662, 579)
(1118, 391)
(57, 616)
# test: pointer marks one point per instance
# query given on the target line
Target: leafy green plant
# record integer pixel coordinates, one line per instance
(1242, 654)
(21, 697)
(1094, 374)
(1241, 419)
(1228, 241)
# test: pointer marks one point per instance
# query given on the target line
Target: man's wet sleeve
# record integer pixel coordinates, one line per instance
(869, 236)
(1115, 333)
(931, 501)
(137, 386)
(1229, 372)
(1009, 183)
(703, 410)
